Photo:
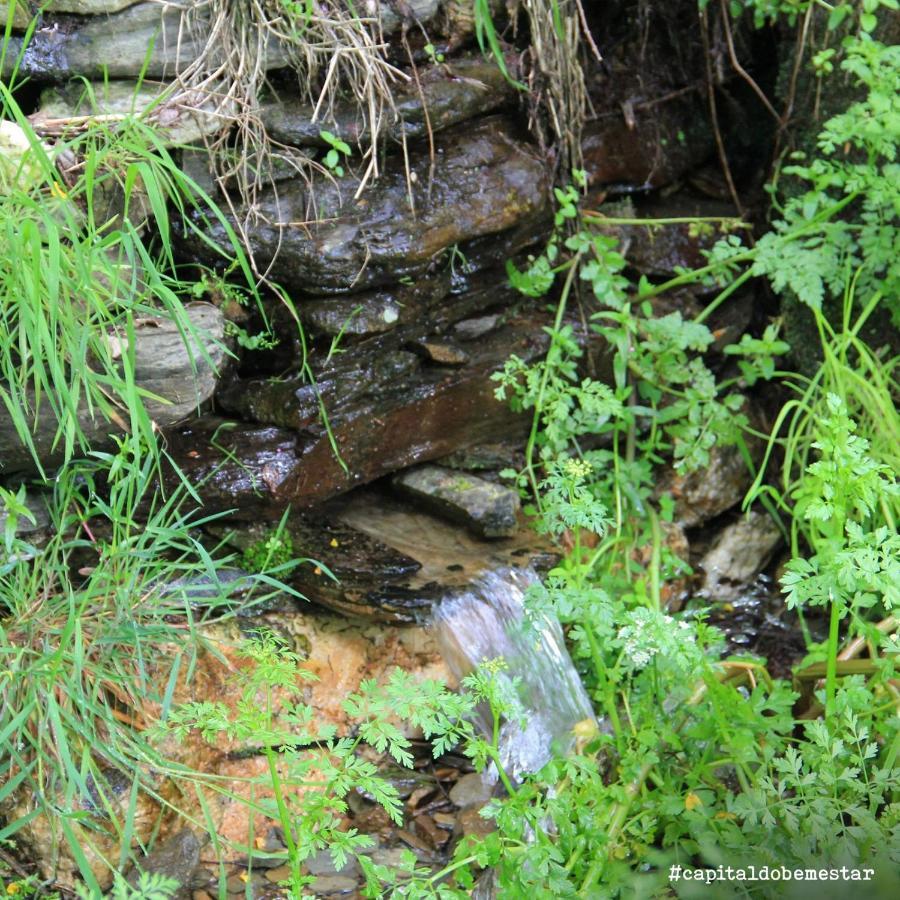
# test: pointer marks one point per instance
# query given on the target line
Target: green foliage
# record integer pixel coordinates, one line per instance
(150, 886)
(847, 217)
(489, 40)
(333, 156)
(310, 758)
(767, 12)
(69, 284)
(83, 613)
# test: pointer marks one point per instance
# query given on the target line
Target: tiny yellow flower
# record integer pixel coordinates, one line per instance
(692, 801)
(59, 193)
(13, 888)
(334, 542)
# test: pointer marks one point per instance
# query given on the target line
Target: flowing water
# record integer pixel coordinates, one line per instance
(487, 621)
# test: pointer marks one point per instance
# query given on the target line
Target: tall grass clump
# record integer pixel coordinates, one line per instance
(76, 273)
(89, 609)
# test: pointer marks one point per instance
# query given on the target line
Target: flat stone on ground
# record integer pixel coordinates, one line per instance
(487, 509)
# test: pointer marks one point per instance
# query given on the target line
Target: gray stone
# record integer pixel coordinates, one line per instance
(117, 45)
(332, 885)
(708, 492)
(179, 375)
(20, 166)
(177, 859)
(452, 93)
(179, 116)
(739, 554)
(487, 509)
(470, 790)
(323, 864)
(472, 329)
(376, 311)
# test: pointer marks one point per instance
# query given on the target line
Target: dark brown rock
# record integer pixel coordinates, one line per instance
(323, 240)
(404, 412)
(376, 311)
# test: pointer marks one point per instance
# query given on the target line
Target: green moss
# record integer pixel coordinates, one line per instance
(270, 552)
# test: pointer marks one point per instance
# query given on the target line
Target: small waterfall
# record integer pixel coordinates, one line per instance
(488, 621)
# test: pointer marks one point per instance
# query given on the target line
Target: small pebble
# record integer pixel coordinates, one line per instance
(472, 823)
(282, 873)
(333, 884)
(444, 820)
(470, 790)
(236, 885)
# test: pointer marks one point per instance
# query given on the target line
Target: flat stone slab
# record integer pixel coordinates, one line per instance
(486, 508)
(326, 238)
(438, 97)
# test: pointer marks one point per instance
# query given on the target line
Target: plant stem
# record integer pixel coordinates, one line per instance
(549, 363)
(831, 670)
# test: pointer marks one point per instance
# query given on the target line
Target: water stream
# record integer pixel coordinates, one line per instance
(488, 620)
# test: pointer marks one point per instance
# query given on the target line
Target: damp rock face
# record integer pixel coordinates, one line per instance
(378, 428)
(488, 509)
(436, 98)
(372, 556)
(179, 117)
(483, 182)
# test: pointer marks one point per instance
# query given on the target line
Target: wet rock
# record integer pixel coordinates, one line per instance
(702, 495)
(647, 130)
(182, 375)
(707, 492)
(116, 44)
(378, 428)
(148, 39)
(443, 353)
(472, 329)
(369, 576)
(376, 311)
(176, 858)
(333, 886)
(437, 97)
(738, 555)
(488, 509)
(492, 457)
(470, 790)
(322, 240)
(436, 836)
(323, 864)
(390, 562)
